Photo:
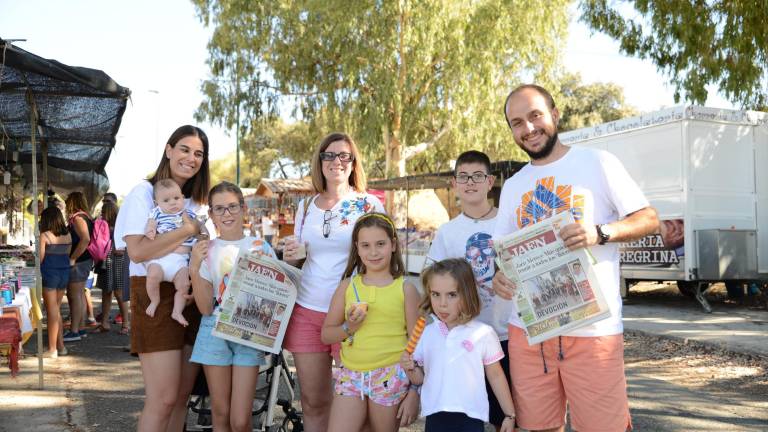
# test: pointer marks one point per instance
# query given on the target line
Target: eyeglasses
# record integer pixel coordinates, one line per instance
(344, 157)
(477, 177)
(327, 216)
(233, 209)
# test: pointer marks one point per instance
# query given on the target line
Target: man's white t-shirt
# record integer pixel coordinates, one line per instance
(462, 237)
(133, 214)
(596, 188)
(327, 257)
(454, 367)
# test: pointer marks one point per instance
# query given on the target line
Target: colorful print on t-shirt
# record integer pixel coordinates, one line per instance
(351, 207)
(480, 255)
(546, 200)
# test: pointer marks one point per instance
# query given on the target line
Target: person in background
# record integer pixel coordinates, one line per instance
(268, 229)
(55, 246)
(112, 277)
(162, 344)
(80, 228)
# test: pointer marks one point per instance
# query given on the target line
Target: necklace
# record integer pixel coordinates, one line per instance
(477, 219)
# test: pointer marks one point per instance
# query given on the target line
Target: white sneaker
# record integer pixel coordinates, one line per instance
(51, 354)
(62, 352)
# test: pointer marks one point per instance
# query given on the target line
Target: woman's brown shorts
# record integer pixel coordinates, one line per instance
(161, 333)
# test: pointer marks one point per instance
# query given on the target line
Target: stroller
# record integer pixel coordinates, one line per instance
(266, 400)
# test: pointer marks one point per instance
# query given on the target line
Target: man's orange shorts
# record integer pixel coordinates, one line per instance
(589, 377)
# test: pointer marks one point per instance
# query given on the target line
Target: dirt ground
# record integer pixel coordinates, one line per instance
(673, 385)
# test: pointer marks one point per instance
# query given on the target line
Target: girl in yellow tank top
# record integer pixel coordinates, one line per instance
(371, 314)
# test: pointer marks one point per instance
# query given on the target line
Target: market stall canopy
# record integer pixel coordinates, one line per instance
(502, 170)
(78, 113)
(272, 187)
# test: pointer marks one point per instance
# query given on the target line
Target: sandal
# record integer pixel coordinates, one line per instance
(125, 331)
(101, 329)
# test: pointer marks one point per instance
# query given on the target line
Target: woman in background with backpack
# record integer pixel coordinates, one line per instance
(112, 275)
(80, 228)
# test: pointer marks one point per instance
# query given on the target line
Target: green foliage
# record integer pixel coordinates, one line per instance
(696, 43)
(393, 74)
(583, 105)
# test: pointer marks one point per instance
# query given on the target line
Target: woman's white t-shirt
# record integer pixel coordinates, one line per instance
(327, 257)
(133, 215)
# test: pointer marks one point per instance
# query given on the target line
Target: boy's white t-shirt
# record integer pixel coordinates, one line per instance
(462, 237)
(596, 188)
(220, 262)
(454, 367)
(132, 218)
(327, 257)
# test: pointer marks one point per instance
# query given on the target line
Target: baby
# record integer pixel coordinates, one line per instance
(165, 217)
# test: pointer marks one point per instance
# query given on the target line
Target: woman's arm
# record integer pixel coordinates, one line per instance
(81, 228)
(202, 290)
(140, 248)
(500, 387)
(333, 331)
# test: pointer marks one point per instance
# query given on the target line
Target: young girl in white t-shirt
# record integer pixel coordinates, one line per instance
(455, 354)
(231, 369)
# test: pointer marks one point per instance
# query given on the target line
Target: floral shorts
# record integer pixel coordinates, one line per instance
(385, 386)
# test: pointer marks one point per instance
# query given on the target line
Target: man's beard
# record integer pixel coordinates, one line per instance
(545, 151)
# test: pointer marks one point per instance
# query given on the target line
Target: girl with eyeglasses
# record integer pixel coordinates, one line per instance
(231, 369)
(324, 225)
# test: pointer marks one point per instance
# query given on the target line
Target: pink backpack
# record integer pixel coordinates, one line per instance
(100, 243)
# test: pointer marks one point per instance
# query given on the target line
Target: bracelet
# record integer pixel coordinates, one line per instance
(512, 417)
(345, 327)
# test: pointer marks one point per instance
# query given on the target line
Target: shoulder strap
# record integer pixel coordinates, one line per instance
(307, 202)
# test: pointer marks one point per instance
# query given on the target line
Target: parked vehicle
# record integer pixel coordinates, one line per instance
(706, 172)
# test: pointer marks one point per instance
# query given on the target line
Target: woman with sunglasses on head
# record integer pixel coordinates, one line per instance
(162, 344)
(323, 226)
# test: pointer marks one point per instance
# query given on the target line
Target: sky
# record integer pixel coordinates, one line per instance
(157, 48)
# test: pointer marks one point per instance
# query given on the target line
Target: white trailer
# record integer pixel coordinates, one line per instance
(706, 172)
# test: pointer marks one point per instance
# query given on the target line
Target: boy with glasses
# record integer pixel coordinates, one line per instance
(174, 267)
(468, 236)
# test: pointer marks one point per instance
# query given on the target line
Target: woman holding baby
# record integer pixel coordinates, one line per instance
(162, 343)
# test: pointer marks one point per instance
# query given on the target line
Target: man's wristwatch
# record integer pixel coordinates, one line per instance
(603, 233)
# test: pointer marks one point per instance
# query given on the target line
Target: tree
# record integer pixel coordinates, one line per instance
(696, 43)
(401, 76)
(583, 105)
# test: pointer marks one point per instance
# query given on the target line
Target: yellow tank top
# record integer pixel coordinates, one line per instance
(381, 339)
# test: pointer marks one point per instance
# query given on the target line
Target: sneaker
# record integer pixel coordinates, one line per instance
(83, 333)
(118, 319)
(71, 336)
(51, 354)
(90, 322)
(62, 352)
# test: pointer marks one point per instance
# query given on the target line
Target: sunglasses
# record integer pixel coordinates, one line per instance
(344, 157)
(327, 217)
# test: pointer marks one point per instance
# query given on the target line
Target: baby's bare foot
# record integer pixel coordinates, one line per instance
(180, 318)
(152, 308)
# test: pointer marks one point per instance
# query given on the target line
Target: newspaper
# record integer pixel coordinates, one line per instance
(557, 288)
(258, 301)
